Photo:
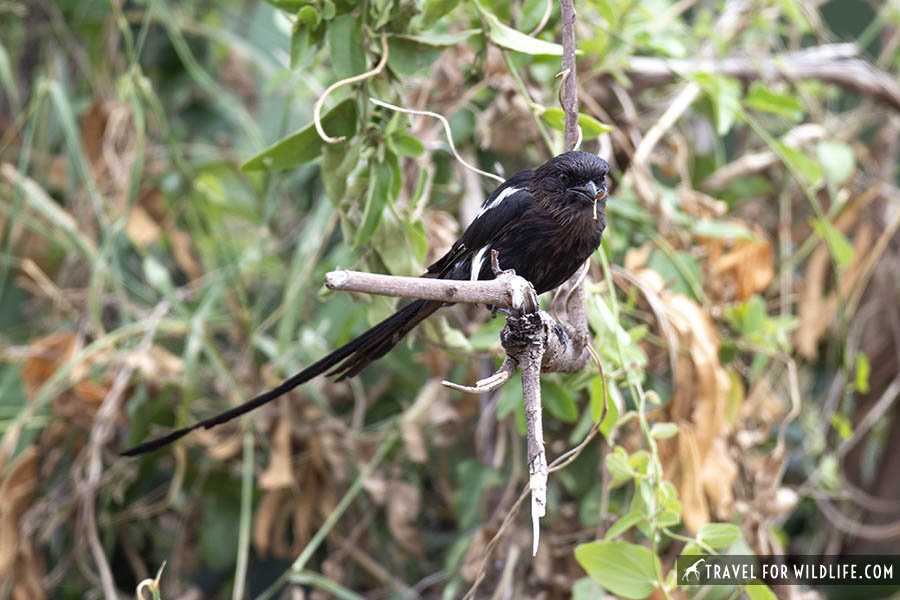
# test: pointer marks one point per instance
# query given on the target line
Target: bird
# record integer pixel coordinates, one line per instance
(543, 223)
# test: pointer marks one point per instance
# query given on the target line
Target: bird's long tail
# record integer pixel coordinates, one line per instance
(346, 361)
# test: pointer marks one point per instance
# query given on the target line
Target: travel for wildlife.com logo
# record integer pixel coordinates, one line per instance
(708, 569)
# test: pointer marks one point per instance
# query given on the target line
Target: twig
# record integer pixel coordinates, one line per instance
(317, 107)
(570, 85)
(488, 384)
(447, 130)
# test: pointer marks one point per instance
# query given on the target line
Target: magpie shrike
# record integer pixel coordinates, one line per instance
(543, 223)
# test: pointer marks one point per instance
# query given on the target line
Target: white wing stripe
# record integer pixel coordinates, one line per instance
(477, 260)
(500, 198)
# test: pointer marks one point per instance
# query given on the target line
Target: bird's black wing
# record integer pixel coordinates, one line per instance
(502, 206)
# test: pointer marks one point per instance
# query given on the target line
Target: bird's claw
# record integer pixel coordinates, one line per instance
(561, 334)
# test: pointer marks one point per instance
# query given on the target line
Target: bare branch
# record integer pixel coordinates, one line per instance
(833, 63)
(570, 94)
(508, 290)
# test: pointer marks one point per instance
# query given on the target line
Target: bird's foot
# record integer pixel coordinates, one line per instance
(561, 334)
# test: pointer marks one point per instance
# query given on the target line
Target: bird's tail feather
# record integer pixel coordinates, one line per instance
(353, 357)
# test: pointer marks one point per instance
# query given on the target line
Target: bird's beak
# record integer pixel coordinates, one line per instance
(591, 190)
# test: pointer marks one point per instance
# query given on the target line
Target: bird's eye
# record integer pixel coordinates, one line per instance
(564, 179)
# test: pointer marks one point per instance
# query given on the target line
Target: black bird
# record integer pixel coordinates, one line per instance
(543, 223)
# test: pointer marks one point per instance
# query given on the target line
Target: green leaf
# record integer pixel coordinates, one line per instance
(586, 589)
(608, 12)
(762, 98)
(718, 535)
(509, 38)
(837, 160)
(663, 431)
(403, 144)
(627, 570)
(407, 57)
(437, 39)
(623, 524)
(305, 144)
(863, 368)
(158, 276)
(612, 409)
(591, 128)
(291, 6)
(639, 461)
(434, 10)
(759, 591)
(800, 162)
(618, 465)
(300, 42)
(381, 177)
(559, 402)
(840, 246)
(338, 161)
(726, 230)
(345, 39)
(725, 94)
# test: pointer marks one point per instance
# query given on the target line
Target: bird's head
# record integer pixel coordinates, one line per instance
(574, 180)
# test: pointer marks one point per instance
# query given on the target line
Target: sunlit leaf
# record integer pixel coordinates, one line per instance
(625, 569)
(305, 144)
(762, 98)
(837, 160)
(591, 128)
(715, 228)
(840, 247)
(507, 37)
(662, 431)
(800, 162)
(719, 535)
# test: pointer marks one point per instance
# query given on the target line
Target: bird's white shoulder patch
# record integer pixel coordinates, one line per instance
(477, 261)
(496, 201)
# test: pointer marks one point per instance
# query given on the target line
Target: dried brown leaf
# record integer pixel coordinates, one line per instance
(20, 564)
(141, 227)
(750, 264)
(279, 474)
(266, 519)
